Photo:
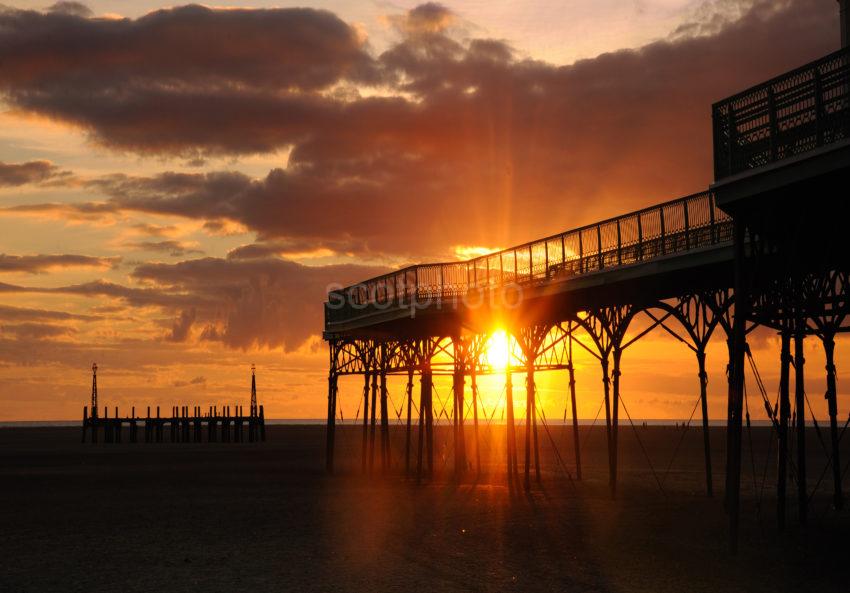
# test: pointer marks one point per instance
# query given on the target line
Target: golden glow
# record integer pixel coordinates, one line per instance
(466, 252)
(498, 350)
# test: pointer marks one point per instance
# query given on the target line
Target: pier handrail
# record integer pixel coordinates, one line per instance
(675, 226)
(790, 114)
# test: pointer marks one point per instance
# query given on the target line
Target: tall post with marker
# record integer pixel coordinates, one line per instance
(93, 408)
(253, 412)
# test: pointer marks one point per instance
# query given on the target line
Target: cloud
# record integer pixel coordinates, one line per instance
(36, 264)
(17, 174)
(196, 382)
(279, 49)
(429, 18)
(293, 249)
(265, 303)
(171, 247)
(151, 84)
(709, 17)
(108, 309)
(134, 296)
(71, 9)
(182, 326)
(129, 295)
(36, 331)
(154, 230)
(252, 303)
(464, 144)
(8, 313)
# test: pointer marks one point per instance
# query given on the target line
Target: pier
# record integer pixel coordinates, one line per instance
(765, 245)
(184, 424)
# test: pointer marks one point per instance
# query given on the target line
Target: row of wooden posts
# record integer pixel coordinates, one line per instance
(224, 426)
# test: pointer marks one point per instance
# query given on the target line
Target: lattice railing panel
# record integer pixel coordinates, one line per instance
(669, 228)
(789, 115)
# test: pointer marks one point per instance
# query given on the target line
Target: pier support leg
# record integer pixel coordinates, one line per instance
(729, 398)
(407, 435)
(529, 407)
(736, 390)
(782, 437)
(706, 439)
(262, 424)
(615, 419)
(365, 455)
(212, 427)
(331, 429)
(421, 433)
(510, 431)
(800, 400)
(474, 387)
(832, 406)
(576, 440)
(531, 426)
(373, 422)
(425, 456)
(458, 385)
(606, 386)
(385, 424)
(428, 386)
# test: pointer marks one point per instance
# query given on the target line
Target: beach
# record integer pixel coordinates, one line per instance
(267, 517)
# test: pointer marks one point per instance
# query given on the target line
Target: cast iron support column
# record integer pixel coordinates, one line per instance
(421, 433)
(615, 419)
(409, 391)
(736, 389)
(511, 428)
(530, 425)
(706, 441)
(576, 440)
(800, 400)
(385, 423)
(606, 384)
(474, 386)
(784, 414)
(460, 441)
(365, 456)
(428, 383)
(373, 421)
(832, 405)
(730, 359)
(332, 387)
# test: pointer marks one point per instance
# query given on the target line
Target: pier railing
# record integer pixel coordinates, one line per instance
(791, 114)
(673, 227)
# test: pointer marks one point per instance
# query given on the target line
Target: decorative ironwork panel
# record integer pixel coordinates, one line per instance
(672, 227)
(789, 115)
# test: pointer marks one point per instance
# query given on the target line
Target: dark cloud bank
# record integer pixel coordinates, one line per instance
(241, 303)
(35, 264)
(494, 148)
(456, 142)
(17, 174)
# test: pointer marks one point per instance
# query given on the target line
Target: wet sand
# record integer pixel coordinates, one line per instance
(265, 517)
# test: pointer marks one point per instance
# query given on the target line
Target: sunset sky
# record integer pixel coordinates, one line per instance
(179, 185)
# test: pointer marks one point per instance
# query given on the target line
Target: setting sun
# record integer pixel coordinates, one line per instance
(498, 350)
